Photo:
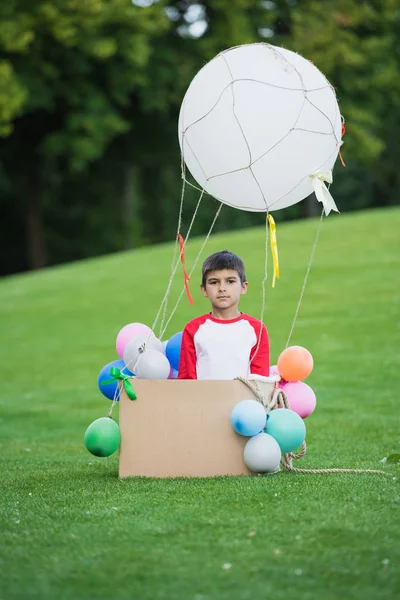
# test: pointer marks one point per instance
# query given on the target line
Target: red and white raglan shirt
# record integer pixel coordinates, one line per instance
(216, 349)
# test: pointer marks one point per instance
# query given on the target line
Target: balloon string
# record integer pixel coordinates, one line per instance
(185, 274)
(193, 267)
(305, 278)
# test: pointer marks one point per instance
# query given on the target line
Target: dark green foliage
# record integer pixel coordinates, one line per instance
(91, 91)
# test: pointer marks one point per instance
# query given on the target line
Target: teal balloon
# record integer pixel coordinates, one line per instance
(102, 437)
(287, 427)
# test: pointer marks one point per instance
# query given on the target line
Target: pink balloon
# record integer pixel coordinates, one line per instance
(301, 398)
(127, 334)
(173, 374)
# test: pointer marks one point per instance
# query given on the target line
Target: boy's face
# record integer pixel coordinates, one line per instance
(223, 288)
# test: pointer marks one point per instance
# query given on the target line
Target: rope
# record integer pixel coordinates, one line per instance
(114, 402)
(193, 268)
(305, 279)
(175, 244)
(263, 284)
(166, 295)
(278, 399)
(289, 467)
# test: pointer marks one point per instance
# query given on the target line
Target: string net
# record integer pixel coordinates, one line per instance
(252, 159)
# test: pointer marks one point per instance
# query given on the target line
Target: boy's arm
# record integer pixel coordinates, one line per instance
(187, 363)
(260, 358)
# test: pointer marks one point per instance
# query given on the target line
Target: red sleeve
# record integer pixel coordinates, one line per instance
(187, 362)
(260, 357)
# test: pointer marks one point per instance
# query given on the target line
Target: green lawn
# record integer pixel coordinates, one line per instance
(71, 530)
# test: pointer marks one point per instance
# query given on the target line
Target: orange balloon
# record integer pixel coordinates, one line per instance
(295, 363)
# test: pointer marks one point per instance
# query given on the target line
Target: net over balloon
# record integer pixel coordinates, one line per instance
(260, 129)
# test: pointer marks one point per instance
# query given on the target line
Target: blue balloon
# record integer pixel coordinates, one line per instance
(109, 389)
(287, 427)
(173, 350)
(248, 417)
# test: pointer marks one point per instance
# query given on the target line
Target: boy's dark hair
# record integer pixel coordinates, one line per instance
(223, 260)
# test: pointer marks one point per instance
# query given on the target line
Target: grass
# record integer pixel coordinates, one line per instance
(72, 530)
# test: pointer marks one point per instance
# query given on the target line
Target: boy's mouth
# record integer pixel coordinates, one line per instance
(223, 297)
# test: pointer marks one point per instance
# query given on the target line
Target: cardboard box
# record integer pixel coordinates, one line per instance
(182, 429)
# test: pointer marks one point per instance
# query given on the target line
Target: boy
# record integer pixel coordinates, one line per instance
(224, 343)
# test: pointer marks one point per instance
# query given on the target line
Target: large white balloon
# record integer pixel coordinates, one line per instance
(262, 454)
(256, 124)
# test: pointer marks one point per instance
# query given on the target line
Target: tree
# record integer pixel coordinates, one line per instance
(68, 69)
(90, 98)
(356, 45)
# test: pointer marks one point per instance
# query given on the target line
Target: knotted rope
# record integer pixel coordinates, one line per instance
(278, 399)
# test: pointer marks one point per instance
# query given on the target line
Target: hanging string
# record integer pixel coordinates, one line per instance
(115, 399)
(176, 240)
(263, 295)
(193, 267)
(166, 295)
(305, 279)
(186, 277)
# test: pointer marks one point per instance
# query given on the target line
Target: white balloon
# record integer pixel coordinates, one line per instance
(256, 122)
(137, 346)
(152, 365)
(164, 345)
(262, 453)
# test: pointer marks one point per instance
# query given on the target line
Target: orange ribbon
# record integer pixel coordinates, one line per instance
(185, 275)
(340, 154)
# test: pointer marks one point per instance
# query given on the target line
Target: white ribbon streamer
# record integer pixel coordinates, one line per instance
(321, 191)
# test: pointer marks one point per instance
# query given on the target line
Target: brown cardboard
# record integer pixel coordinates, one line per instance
(182, 429)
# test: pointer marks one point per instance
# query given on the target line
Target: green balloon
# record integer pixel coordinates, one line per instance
(102, 437)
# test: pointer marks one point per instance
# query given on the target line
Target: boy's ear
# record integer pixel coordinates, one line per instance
(204, 291)
(245, 285)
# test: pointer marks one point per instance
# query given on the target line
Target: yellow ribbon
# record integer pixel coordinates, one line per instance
(274, 247)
